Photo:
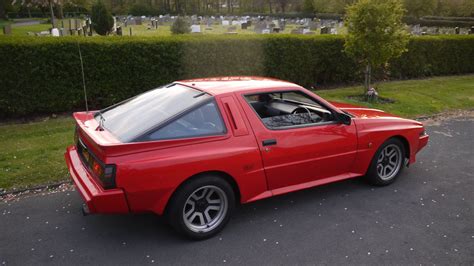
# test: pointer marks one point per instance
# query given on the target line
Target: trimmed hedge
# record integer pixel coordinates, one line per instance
(428, 22)
(435, 56)
(448, 18)
(43, 75)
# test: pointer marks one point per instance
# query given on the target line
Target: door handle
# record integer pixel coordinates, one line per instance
(269, 142)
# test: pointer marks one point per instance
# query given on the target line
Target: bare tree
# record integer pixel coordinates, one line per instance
(3, 14)
(283, 4)
(45, 3)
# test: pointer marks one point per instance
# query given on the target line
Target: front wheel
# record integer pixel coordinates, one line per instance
(201, 207)
(387, 163)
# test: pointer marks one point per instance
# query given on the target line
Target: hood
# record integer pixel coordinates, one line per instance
(362, 112)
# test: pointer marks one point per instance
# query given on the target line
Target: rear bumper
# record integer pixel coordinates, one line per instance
(95, 197)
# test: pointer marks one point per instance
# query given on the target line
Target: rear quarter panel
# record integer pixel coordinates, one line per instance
(150, 177)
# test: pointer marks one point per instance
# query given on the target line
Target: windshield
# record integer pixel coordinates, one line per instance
(132, 118)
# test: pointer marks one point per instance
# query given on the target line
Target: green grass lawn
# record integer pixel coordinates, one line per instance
(32, 154)
(164, 30)
(142, 30)
(3, 23)
(414, 98)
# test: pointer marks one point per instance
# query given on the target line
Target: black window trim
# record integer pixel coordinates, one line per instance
(142, 137)
(131, 98)
(333, 112)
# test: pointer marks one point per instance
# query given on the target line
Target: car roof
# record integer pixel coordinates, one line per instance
(222, 85)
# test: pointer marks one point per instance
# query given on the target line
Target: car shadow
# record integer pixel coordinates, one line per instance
(150, 228)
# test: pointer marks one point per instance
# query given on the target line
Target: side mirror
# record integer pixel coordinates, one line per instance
(343, 118)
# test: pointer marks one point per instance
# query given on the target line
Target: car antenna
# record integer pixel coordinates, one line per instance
(83, 77)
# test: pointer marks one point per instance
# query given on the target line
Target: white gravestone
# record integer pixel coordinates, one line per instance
(195, 28)
(225, 23)
(55, 32)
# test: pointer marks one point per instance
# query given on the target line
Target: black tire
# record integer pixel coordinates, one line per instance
(179, 203)
(377, 169)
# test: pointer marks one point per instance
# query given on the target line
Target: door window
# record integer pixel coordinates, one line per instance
(279, 110)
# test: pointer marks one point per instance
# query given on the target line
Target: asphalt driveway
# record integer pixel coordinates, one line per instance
(426, 217)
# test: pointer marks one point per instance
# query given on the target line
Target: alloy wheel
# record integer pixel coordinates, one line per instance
(389, 162)
(205, 209)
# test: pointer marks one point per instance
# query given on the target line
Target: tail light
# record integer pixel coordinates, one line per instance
(103, 173)
(106, 175)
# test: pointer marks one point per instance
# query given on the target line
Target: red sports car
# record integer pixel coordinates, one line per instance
(193, 149)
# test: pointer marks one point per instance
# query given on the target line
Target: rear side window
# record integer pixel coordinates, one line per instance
(140, 114)
(205, 120)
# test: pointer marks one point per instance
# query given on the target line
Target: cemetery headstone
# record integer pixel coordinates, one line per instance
(472, 30)
(119, 31)
(295, 31)
(114, 27)
(325, 30)
(260, 26)
(7, 29)
(225, 23)
(195, 28)
(243, 26)
(266, 31)
(417, 29)
(313, 25)
(457, 30)
(282, 24)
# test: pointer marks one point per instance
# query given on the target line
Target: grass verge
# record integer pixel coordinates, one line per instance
(32, 154)
(414, 98)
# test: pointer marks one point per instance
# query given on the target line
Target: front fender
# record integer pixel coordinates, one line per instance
(373, 132)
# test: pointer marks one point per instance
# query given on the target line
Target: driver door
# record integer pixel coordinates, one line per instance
(304, 154)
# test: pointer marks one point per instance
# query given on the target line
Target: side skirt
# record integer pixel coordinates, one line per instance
(288, 189)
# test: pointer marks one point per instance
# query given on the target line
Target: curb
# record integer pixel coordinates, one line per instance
(50, 186)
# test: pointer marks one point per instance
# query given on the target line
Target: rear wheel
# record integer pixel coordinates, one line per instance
(387, 163)
(201, 207)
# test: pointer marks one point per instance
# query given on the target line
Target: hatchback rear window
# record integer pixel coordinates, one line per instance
(136, 116)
